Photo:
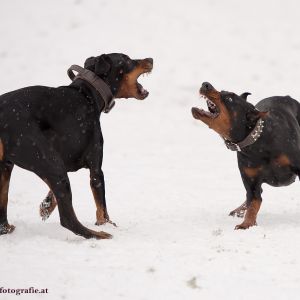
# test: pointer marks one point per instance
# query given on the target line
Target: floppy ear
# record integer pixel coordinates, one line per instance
(254, 114)
(245, 95)
(102, 66)
(90, 63)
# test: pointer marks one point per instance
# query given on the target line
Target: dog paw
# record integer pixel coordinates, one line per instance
(104, 221)
(44, 210)
(102, 235)
(47, 206)
(245, 225)
(6, 228)
(44, 215)
(240, 213)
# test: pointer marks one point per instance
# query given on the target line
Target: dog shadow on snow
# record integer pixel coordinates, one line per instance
(53, 231)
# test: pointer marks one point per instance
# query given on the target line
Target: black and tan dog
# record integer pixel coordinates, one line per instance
(266, 138)
(53, 131)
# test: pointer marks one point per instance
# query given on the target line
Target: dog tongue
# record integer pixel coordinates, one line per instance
(141, 89)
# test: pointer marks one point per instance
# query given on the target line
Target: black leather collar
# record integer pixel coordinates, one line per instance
(101, 87)
(249, 140)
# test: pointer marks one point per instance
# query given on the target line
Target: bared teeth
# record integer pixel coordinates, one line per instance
(211, 104)
(204, 97)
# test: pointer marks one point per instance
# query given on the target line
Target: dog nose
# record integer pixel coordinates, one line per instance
(149, 60)
(206, 86)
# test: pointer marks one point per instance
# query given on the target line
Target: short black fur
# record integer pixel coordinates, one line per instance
(53, 131)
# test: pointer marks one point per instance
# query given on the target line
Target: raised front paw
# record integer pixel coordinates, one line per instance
(245, 225)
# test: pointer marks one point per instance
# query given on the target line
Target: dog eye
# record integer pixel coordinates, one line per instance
(229, 99)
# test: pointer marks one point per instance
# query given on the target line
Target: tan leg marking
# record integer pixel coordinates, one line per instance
(101, 214)
(4, 186)
(252, 172)
(282, 160)
(251, 214)
(1, 150)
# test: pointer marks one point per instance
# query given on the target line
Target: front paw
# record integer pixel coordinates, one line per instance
(104, 221)
(245, 225)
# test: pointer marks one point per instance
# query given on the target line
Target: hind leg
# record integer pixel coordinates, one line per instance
(97, 184)
(34, 153)
(60, 186)
(5, 171)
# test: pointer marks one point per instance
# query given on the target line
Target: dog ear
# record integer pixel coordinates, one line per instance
(253, 115)
(90, 63)
(102, 66)
(245, 95)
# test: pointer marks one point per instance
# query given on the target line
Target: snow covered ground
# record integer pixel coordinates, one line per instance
(170, 180)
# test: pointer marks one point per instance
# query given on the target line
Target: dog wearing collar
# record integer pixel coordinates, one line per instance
(53, 131)
(266, 138)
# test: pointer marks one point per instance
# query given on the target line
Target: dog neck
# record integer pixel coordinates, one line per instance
(102, 89)
(250, 139)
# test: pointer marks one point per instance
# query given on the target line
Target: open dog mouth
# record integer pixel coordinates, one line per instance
(130, 87)
(142, 92)
(213, 110)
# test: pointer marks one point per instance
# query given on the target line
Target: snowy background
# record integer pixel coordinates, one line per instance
(170, 180)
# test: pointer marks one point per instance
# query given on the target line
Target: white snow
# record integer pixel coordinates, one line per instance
(170, 180)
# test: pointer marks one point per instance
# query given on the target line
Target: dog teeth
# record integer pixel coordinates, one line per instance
(210, 103)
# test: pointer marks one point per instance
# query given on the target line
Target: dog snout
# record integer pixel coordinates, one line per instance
(206, 87)
(149, 60)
